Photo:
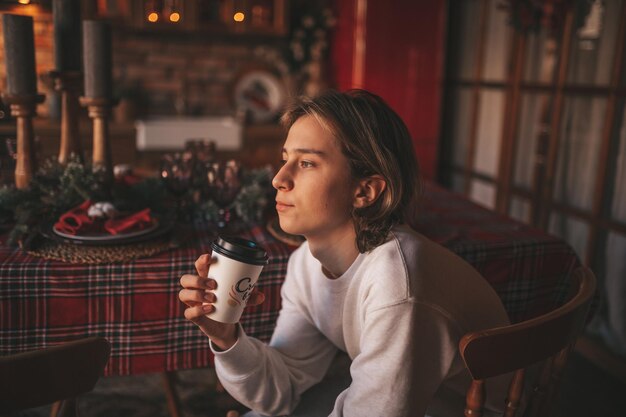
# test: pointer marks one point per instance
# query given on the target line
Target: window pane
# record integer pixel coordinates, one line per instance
(461, 127)
(465, 36)
(618, 210)
(579, 146)
(574, 231)
(520, 209)
(483, 193)
(529, 127)
(615, 285)
(593, 45)
(540, 62)
(498, 39)
(489, 132)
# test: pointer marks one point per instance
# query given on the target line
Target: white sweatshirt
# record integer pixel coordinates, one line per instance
(399, 312)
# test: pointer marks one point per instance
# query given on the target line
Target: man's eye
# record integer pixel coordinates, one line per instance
(306, 164)
(283, 162)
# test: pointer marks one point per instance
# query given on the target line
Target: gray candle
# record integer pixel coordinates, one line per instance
(19, 52)
(97, 59)
(67, 39)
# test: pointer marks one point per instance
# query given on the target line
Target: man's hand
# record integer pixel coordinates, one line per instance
(198, 295)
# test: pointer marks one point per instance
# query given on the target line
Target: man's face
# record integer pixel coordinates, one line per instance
(315, 186)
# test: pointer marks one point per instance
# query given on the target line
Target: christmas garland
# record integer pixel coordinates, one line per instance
(57, 188)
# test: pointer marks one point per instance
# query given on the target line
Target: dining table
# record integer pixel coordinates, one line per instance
(134, 303)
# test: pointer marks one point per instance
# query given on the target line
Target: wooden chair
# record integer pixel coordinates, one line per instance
(58, 373)
(517, 347)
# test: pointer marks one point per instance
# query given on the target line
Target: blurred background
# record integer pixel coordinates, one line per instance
(519, 105)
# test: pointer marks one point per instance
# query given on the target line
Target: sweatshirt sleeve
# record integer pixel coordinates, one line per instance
(406, 352)
(270, 379)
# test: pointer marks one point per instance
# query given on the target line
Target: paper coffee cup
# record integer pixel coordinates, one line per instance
(239, 264)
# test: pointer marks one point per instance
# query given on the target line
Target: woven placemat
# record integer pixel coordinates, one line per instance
(82, 254)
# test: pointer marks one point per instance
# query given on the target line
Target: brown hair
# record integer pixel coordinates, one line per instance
(375, 141)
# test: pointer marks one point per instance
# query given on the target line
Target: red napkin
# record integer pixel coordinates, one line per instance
(134, 222)
(76, 220)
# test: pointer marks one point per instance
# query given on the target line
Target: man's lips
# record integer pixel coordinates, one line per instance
(281, 206)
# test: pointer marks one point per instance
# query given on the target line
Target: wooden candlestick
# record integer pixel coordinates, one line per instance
(23, 108)
(99, 110)
(69, 84)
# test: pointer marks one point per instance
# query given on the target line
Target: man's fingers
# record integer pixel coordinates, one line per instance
(197, 282)
(202, 264)
(194, 297)
(196, 314)
(256, 298)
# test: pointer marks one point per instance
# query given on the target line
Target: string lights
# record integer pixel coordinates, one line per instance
(163, 10)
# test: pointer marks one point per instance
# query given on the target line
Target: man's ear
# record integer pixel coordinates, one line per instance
(368, 190)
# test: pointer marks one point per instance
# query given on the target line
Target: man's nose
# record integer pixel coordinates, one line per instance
(282, 180)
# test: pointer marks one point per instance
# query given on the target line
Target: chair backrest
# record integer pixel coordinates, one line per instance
(40, 377)
(546, 338)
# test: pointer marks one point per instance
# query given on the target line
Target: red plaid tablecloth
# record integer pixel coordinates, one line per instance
(530, 270)
(135, 304)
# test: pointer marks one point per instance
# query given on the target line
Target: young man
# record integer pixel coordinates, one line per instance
(363, 283)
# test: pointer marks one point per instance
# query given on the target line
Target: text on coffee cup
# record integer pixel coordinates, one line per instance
(240, 292)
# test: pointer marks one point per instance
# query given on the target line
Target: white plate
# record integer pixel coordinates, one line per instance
(261, 94)
(107, 237)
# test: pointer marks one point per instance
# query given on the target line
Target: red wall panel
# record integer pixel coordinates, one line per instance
(403, 62)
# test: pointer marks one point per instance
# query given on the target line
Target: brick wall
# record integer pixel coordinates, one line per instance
(174, 73)
(183, 74)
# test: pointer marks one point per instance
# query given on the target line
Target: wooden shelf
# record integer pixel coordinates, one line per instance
(48, 133)
(260, 17)
(262, 144)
